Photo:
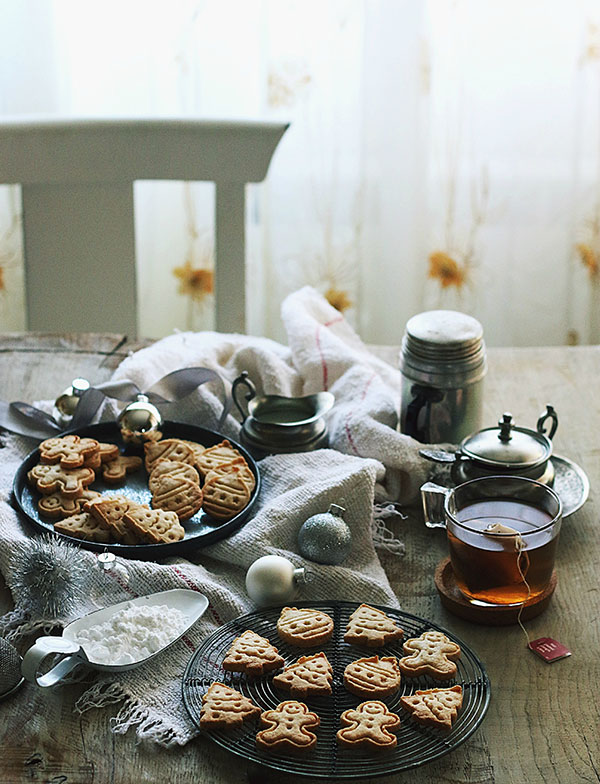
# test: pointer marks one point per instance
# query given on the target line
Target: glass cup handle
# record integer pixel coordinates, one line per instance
(433, 497)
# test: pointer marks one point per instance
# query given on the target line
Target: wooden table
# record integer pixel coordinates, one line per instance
(543, 720)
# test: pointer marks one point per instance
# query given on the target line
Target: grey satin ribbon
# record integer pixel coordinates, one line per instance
(29, 421)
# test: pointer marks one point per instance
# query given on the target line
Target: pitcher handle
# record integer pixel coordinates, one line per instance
(549, 413)
(433, 497)
(243, 380)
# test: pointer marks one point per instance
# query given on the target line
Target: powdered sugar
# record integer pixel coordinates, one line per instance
(132, 634)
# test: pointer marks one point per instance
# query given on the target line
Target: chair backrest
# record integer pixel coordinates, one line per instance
(76, 180)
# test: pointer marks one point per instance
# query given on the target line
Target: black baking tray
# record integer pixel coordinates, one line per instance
(200, 530)
(417, 744)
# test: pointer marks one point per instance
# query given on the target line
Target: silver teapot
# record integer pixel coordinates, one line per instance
(503, 450)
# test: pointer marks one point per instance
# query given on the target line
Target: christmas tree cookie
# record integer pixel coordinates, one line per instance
(252, 654)
(224, 707)
(371, 627)
(310, 676)
(434, 707)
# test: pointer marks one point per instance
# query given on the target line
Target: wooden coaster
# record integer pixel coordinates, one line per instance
(454, 601)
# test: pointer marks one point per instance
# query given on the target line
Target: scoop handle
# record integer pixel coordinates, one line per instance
(72, 657)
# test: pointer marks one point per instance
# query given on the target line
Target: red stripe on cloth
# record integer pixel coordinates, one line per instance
(195, 587)
(367, 385)
(323, 363)
(188, 642)
(347, 422)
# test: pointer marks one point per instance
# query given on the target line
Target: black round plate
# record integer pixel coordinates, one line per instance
(200, 530)
(327, 760)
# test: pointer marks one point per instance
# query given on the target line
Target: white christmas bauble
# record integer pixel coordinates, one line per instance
(273, 579)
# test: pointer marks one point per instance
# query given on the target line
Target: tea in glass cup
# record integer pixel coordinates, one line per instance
(502, 535)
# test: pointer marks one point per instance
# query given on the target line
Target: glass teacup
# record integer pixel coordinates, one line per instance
(502, 536)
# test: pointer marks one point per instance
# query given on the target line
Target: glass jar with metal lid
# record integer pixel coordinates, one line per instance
(505, 449)
(443, 363)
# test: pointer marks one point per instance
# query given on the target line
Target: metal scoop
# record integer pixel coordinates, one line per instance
(72, 655)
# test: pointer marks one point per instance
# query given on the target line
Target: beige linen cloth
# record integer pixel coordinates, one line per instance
(367, 465)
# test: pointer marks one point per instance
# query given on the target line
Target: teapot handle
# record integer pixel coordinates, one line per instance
(549, 413)
(243, 380)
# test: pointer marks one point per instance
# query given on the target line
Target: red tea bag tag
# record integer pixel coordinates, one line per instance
(548, 649)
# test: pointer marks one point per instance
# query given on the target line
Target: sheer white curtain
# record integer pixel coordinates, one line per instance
(442, 153)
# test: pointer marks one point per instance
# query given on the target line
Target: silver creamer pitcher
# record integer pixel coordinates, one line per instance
(443, 364)
(274, 424)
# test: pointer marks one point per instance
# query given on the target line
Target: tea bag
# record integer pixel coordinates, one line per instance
(513, 540)
(499, 529)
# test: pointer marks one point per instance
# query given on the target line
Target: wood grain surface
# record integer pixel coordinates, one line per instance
(543, 720)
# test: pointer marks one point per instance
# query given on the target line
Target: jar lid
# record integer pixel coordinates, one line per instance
(443, 348)
(507, 445)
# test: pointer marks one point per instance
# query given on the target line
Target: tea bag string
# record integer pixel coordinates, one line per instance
(520, 545)
(505, 530)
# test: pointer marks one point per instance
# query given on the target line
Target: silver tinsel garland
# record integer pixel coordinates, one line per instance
(49, 578)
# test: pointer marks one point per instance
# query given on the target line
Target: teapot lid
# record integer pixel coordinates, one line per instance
(507, 445)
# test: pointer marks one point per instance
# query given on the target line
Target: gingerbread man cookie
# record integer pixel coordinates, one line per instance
(430, 654)
(288, 728)
(370, 725)
(70, 451)
(54, 478)
(115, 470)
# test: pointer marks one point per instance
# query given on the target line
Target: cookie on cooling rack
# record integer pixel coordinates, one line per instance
(371, 725)
(288, 727)
(371, 627)
(225, 708)
(310, 676)
(434, 707)
(373, 677)
(431, 654)
(304, 627)
(252, 654)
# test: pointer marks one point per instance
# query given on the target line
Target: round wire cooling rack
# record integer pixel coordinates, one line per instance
(417, 744)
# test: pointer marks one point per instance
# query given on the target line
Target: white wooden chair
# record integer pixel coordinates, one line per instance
(78, 215)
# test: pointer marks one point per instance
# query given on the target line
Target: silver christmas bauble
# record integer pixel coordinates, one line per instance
(139, 421)
(66, 403)
(325, 538)
(273, 579)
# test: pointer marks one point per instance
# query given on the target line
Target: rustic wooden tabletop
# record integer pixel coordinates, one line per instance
(543, 719)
